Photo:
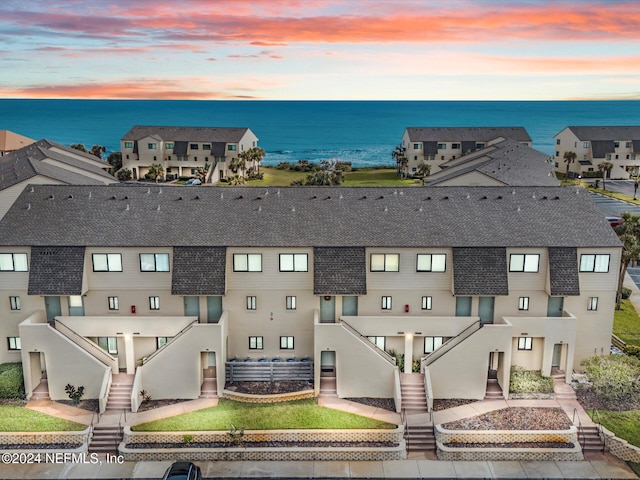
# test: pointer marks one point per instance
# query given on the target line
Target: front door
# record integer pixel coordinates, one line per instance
(192, 307)
(214, 309)
(485, 309)
(327, 309)
(349, 306)
(557, 354)
(52, 307)
(328, 363)
(554, 306)
(463, 306)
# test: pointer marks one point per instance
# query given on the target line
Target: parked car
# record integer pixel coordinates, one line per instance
(183, 471)
(615, 221)
(193, 181)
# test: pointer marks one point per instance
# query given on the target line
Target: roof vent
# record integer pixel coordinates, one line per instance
(70, 197)
(197, 197)
(445, 198)
(113, 197)
(158, 208)
(221, 196)
(468, 196)
(240, 197)
(180, 198)
(159, 191)
(484, 197)
(260, 208)
(293, 209)
(544, 198)
(533, 196)
(32, 190)
(499, 197)
(380, 197)
(428, 198)
(51, 197)
(519, 209)
(395, 192)
(28, 206)
(556, 198)
(314, 197)
(258, 198)
(89, 194)
(364, 197)
(420, 209)
(126, 197)
(401, 192)
(127, 207)
(148, 190)
(328, 197)
(341, 197)
(385, 208)
(513, 192)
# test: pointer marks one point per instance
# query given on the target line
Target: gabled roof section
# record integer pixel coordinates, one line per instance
(10, 141)
(600, 148)
(591, 133)
(187, 134)
(56, 270)
(198, 271)
(508, 162)
(151, 215)
(563, 271)
(466, 134)
(480, 271)
(339, 271)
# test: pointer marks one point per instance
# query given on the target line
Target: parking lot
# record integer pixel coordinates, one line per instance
(611, 206)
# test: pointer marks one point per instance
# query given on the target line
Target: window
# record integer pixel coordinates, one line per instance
(75, 301)
(519, 262)
(616, 144)
(128, 144)
(206, 146)
(113, 303)
(13, 262)
(558, 141)
(480, 145)
(110, 344)
(442, 146)
(385, 262)
(15, 303)
(151, 146)
(426, 303)
(154, 262)
(431, 263)
(379, 342)
(286, 343)
(523, 303)
(255, 343)
(585, 145)
(251, 303)
(592, 304)
(247, 262)
(417, 146)
(386, 303)
(169, 146)
(294, 262)
(232, 148)
(14, 343)
(154, 303)
(594, 263)
(193, 146)
(431, 344)
(291, 303)
(162, 341)
(107, 262)
(455, 146)
(628, 144)
(525, 343)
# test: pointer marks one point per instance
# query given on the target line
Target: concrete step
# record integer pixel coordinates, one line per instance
(420, 438)
(105, 440)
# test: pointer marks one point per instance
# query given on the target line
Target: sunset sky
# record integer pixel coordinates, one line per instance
(320, 49)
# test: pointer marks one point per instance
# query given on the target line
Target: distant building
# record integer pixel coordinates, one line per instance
(437, 145)
(505, 163)
(181, 150)
(47, 162)
(10, 141)
(594, 145)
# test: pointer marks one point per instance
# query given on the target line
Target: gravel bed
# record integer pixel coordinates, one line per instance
(151, 404)
(515, 418)
(383, 403)
(39, 446)
(90, 405)
(511, 445)
(279, 444)
(445, 403)
(268, 388)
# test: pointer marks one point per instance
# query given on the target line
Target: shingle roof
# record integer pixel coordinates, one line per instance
(198, 271)
(563, 271)
(480, 271)
(508, 162)
(10, 141)
(56, 270)
(466, 134)
(592, 133)
(187, 134)
(599, 148)
(339, 271)
(305, 216)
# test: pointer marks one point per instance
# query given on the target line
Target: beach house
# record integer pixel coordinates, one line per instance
(174, 286)
(594, 145)
(182, 150)
(437, 145)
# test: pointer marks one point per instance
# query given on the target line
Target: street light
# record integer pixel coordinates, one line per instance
(579, 180)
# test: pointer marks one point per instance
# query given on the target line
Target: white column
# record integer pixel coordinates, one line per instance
(129, 354)
(408, 352)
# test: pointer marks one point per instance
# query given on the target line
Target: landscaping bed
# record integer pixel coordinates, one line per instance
(265, 444)
(268, 388)
(515, 418)
(510, 445)
(383, 403)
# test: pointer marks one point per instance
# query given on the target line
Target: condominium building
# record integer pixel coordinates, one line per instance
(167, 284)
(437, 145)
(11, 141)
(181, 150)
(598, 144)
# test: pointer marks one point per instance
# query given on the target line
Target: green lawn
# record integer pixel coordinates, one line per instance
(302, 414)
(367, 177)
(14, 418)
(624, 424)
(626, 323)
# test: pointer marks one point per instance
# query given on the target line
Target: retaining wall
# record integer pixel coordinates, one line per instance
(283, 397)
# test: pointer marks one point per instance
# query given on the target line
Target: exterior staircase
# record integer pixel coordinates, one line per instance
(105, 439)
(209, 387)
(494, 392)
(414, 398)
(562, 390)
(590, 440)
(41, 392)
(328, 387)
(120, 393)
(420, 438)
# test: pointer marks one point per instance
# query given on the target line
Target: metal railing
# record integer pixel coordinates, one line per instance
(603, 438)
(120, 435)
(372, 345)
(451, 343)
(87, 345)
(405, 434)
(580, 428)
(166, 345)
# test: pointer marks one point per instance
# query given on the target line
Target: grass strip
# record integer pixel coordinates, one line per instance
(20, 419)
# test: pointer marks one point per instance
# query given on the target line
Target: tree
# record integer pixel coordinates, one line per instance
(629, 234)
(257, 154)
(569, 158)
(156, 171)
(79, 146)
(98, 150)
(605, 168)
(424, 170)
(323, 177)
(236, 164)
(124, 175)
(201, 172)
(115, 160)
(399, 154)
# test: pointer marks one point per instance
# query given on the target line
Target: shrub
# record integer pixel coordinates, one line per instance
(11, 380)
(615, 379)
(75, 394)
(626, 293)
(529, 381)
(124, 174)
(632, 350)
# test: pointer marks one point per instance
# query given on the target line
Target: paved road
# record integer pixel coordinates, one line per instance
(611, 206)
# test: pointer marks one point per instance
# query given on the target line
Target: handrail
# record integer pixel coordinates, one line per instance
(403, 418)
(375, 348)
(451, 343)
(580, 428)
(83, 343)
(179, 334)
(120, 429)
(601, 434)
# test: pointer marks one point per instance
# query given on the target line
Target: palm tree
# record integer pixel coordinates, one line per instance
(629, 234)
(98, 150)
(236, 164)
(257, 155)
(605, 168)
(155, 171)
(569, 158)
(400, 155)
(424, 170)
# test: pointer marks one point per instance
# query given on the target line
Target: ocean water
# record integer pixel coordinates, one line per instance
(362, 132)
